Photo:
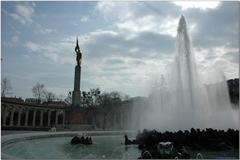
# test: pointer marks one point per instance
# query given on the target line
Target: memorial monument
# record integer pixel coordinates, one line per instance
(76, 115)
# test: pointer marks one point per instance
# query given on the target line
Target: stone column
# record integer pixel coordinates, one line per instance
(120, 120)
(11, 118)
(26, 117)
(41, 118)
(49, 117)
(115, 120)
(124, 120)
(56, 118)
(19, 117)
(5, 116)
(63, 118)
(34, 117)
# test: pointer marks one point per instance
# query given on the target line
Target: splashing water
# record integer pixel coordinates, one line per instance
(182, 101)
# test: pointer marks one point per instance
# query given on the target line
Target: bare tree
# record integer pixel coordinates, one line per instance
(125, 97)
(115, 98)
(108, 101)
(5, 87)
(50, 96)
(95, 96)
(60, 97)
(68, 99)
(39, 91)
(90, 98)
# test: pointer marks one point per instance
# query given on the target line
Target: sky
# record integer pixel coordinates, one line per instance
(125, 45)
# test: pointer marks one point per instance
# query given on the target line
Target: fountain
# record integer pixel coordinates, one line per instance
(181, 101)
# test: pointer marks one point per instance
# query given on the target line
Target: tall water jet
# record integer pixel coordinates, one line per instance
(185, 68)
(187, 91)
(182, 101)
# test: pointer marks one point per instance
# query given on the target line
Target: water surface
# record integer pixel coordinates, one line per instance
(103, 147)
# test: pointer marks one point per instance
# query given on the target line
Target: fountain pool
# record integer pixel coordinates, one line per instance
(57, 146)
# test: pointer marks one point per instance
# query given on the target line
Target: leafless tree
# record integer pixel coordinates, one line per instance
(39, 91)
(108, 101)
(50, 96)
(68, 99)
(5, 87)
(60, 97)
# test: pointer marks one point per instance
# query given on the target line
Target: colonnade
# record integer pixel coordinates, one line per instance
(27, 116)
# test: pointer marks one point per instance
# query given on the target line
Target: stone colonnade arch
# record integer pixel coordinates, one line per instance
(31, 116)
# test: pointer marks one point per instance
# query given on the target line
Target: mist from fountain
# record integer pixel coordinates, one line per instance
(181, 101)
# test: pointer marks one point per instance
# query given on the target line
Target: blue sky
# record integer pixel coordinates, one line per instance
(125, 45)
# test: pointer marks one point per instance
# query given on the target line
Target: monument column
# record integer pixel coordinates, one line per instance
(76, 95)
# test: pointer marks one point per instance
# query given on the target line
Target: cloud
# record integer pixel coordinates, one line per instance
(216, 27)
(203, 5)
(135, 17)
(55, 51)
(116, 10)
(84, 18)
(39, 29)
(104, 45)
(13, 42)
(33, 47)
(15, 39)
(23, 12)
(206, 19)
(221, 58)
(232, 56)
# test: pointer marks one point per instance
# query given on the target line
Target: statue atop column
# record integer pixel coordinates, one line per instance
(79, 54)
